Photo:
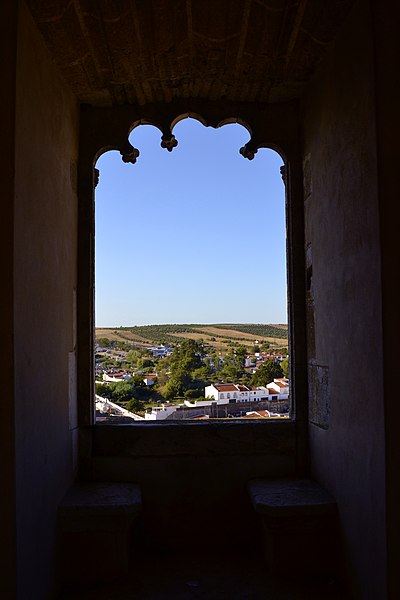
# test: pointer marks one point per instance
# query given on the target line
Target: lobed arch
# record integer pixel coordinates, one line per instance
(272, 126)
(269, 126)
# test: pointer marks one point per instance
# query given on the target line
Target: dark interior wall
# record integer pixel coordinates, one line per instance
(346, 411)
(8, 47)
(45, 231)
(387, 101)
(194, 476)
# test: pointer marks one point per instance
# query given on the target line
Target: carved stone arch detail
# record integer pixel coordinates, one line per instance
(189, 115)
(168, 139)
(270, 126)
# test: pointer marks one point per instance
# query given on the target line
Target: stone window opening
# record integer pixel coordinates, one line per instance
(130, 154)
(113, 248)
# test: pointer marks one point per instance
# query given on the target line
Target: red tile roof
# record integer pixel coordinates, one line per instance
(226, 387)
(259, 414)
(281, 384)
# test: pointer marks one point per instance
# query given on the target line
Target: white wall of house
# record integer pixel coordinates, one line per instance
(211, 392)
(115, 378)
(249, 361)
(278, 386)
(254, 394)
(159, 413)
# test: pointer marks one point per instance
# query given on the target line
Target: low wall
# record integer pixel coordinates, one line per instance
(192, 473)
(222, 411)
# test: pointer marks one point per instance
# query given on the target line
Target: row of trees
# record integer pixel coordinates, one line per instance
(136, 359)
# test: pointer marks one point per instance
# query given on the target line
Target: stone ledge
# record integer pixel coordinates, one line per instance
(299, 523)
(96, 523)
(290, 498)
(98, 499)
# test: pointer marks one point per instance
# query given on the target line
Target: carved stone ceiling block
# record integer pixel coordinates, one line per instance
(139, 52)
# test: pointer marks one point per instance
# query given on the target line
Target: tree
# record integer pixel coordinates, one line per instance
(233, 367)
(145, 363)
(240, 354)
(230, 371)
(132, 357)
(202, 372)
(193, 393)
(285, 366)
(104, 342)
(187, 357)
(103, 390)
(137, 380)
(135, 405)
(185, 360)
(246, 378)
(267, 372)
(177, 384)
(122, 391)
(214, 359)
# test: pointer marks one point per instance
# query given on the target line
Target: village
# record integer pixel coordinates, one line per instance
(234, 385)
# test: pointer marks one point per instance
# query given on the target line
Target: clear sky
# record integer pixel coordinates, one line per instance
(196, 235)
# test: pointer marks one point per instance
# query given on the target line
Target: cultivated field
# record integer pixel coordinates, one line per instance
(218, 335)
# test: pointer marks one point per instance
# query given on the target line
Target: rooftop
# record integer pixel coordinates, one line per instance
(226, 387)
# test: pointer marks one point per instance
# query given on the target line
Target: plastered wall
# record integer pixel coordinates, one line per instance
(44, 283)
(346, 412)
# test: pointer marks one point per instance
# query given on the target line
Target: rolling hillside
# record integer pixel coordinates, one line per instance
(218, 335)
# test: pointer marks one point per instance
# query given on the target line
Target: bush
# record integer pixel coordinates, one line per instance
(192, 393)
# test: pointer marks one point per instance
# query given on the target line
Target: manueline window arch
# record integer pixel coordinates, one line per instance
(193, 239)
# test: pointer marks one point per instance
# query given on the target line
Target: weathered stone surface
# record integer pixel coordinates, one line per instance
(125, 52)
(94, 499)
(195, 439)
(290, 497)
(96, 520)
(299, 521)
(319, 396)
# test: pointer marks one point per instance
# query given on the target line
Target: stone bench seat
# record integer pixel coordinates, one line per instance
(299, 520)
(290, 497)
(95, 524)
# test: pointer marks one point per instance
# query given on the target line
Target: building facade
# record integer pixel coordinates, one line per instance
(230, 393)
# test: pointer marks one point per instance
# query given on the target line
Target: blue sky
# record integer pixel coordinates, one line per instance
(196, 235)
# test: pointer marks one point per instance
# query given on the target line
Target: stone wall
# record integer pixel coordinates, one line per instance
(46, 141)
(191, 473)
(346, 409)
(237, 409)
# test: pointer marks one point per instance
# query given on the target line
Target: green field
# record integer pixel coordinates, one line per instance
(218, 335)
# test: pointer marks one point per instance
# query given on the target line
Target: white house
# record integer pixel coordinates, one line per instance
(280, 386)
(250, 360)
(159, 413)
(116, 377)
(150, 378)
(231, 393)
(160, 351)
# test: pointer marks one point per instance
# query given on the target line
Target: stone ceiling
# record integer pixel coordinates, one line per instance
(114, 52)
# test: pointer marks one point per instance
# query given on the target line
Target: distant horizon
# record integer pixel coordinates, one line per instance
(191, 323)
